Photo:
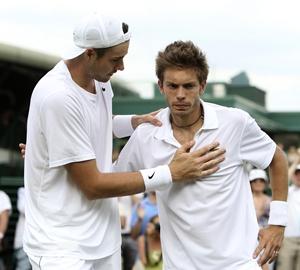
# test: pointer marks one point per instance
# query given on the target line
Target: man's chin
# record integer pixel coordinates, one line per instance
(179, 112)
(104, 79)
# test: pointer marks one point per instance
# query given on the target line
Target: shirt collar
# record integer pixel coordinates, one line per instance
(165, 132)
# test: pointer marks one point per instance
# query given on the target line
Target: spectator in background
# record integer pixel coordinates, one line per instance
(289, 255)
(5, 209)
(21, 258)
(258, 180)
(149, 244)
(142, 214)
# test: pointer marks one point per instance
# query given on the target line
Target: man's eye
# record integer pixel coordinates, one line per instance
(172, 86)
(188, 86)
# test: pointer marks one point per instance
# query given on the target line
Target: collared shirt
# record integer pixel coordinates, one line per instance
(211, 223)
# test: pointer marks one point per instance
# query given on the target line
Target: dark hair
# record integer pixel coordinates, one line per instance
(101, 51)
(182, 55)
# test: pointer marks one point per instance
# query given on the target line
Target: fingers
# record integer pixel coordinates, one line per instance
(154, 121)
(265, 256)
(268, 254)
(150, 118)
(145, 118)
(270, 240)
(22, 147)
(205, 149)
(212, 160)
(274, 256)
(155, 112)
(207, 172)
(203, 162)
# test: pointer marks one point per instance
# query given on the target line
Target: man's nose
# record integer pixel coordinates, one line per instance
(180, 93)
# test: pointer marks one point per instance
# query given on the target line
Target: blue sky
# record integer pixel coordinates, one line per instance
(261, 37)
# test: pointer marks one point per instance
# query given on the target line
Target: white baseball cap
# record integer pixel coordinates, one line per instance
(96, 31)
(258, 174)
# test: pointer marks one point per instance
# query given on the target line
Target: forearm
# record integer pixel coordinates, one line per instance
(96, 185)
(279, 176)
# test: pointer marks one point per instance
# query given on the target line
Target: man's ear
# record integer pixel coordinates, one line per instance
(160, 85)
(90, 52)
(202, 88)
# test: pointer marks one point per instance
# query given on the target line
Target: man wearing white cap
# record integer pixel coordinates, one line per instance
(258, 180)
(71, 220)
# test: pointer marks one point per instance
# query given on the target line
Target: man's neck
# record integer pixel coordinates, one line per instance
(80, 77)
(184, 129)
(187, 121)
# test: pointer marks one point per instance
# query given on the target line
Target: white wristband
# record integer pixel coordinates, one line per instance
(157, 177)
(122, 126)
(278, 213)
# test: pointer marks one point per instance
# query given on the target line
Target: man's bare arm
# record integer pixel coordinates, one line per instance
(184, 166)
(270, 238)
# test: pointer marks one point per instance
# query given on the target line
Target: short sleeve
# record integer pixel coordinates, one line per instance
(256, 147)
(65, 131)
(130, 158)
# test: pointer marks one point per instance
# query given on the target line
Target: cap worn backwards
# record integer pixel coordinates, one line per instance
(96, 31)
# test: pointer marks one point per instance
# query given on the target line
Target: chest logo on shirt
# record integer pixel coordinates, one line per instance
(151, 176)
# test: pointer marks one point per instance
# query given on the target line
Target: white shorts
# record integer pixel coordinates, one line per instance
(112, 262)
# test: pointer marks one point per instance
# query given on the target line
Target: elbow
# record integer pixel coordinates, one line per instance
(93, 194)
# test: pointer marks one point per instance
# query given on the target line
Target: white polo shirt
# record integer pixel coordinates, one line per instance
(208, 224)
(68, 124)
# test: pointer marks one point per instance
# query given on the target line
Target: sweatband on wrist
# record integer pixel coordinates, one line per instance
(278, 213)
(122, 126)
(157, 177)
